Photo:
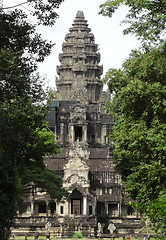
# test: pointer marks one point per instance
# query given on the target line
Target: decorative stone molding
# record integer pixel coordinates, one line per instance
(76, 170)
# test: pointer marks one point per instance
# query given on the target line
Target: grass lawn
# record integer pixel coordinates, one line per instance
(53, 238)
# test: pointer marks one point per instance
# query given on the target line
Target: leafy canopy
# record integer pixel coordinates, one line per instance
(44, 11)
(147, 19)
(139, 110)
(24, 140)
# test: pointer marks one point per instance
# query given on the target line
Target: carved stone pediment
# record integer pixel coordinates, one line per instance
(76, 170)
(77, 187)
(78, 150)
(75, 178)
(75, 164)
(79, 121)
(78, 113)
(80, 95)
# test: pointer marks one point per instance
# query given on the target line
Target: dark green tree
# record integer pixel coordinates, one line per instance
(44, 11)
(139, 110)
(24, 139)
(146, 18)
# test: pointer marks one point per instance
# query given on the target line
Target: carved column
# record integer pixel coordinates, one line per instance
(58, 208)
(47, 208)
(84, 205)
(84, 133)
(62, 132)
(71, 135)
(119, 209)
(103, 133)
(32, 208)
(106, 207)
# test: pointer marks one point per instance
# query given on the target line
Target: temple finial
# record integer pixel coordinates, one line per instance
(80, 14)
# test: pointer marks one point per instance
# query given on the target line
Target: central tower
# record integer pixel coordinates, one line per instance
(79, 71)
(81, 125)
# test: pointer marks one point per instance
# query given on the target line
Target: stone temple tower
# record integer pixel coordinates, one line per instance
(79, 71)
(96, 203)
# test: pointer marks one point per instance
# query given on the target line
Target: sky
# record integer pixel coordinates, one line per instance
(114, 47)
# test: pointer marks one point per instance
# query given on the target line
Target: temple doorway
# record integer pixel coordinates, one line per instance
(76, 202)
(78, 133)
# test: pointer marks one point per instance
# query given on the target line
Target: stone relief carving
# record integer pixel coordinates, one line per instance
(80, 95)
(78, 150)
(78, 112)
(76, 170)
(75, 178)
(111, 228)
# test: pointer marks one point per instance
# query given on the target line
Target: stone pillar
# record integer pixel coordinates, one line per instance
(32, 208)
(47, 208)
(93, 209)
(85, 205)
(66, 208)
(58, 208)
(71, 135)
(84, 133)
(119, 209)
(62, 132)
(106, 206)
(55, 131)
(103, 133)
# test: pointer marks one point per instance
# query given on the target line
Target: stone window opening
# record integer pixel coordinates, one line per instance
(90, 210)
(100, 208)
(78, 133)
(61, 209)
(76, 206)
(113, 209)
(129, 210)
(52, 206)
(42, 208)
(93, 138)
(76, 202)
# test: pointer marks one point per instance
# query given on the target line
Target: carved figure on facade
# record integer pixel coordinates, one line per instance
(48, 227)
(75, 178)
(80, 95)
(79, 150)
(99, 229)
(78, 112)
(111, 228)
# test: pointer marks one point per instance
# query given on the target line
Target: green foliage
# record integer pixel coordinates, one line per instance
(147, 19)
(24, 140)
(77, 235)
(44, 11)
(139, 110)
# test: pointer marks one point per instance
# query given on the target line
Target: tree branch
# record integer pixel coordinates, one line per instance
(15, 5)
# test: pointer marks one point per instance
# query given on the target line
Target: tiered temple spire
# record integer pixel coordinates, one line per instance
(79, 71)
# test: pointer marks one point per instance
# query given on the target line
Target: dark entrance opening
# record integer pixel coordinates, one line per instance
(76, 202)
(78, 133)
(113, 209)
(101, 208)
(42, 207)
(52, 206)
(76, 206)
(129, 210)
